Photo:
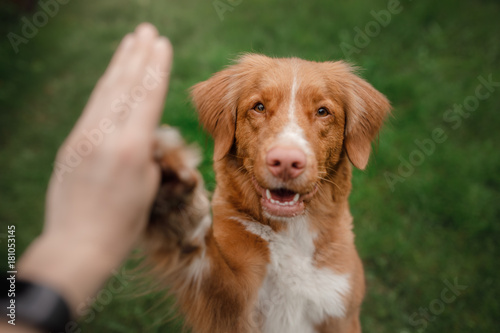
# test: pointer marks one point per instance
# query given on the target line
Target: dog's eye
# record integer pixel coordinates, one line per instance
(259, 107)
(322, 112)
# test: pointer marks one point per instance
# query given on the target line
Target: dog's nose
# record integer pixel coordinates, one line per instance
(286, 162)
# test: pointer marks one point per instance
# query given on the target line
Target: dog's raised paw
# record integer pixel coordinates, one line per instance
(180, 204)
(178, 162)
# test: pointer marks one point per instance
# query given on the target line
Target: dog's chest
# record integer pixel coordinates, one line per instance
(296, 295)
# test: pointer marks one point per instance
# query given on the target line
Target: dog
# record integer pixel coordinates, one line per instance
(274, 250)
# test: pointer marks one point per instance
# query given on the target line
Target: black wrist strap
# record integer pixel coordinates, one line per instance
(35, 305)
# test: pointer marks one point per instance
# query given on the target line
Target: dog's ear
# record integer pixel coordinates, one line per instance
(216, 101)
(365, 109)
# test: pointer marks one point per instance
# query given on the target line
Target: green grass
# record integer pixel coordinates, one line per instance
(441, 223)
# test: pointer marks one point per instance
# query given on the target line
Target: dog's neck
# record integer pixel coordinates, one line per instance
(236, 196)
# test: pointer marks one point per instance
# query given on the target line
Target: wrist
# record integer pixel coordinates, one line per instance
(75, 269)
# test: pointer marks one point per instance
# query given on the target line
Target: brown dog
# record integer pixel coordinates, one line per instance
(277, 255)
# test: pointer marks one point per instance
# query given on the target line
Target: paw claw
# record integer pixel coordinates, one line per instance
(178, 163)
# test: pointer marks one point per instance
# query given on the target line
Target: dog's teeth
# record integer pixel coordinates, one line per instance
(282, 203)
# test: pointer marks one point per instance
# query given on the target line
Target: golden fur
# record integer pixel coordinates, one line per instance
(216, 270)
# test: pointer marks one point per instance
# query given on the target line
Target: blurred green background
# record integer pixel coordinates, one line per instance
(426, 214)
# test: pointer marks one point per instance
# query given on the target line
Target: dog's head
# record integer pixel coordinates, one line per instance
(289, 121)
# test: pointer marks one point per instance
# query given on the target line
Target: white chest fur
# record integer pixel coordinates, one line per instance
(296, 295)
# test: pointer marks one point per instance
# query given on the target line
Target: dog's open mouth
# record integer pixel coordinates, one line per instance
(283, 202)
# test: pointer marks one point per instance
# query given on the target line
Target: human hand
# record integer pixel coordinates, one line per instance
(105, 175)
(105, 198)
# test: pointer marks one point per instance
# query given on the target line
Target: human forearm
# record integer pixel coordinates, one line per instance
(74, 270)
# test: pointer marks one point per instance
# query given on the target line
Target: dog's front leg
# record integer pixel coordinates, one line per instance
(215, 284)
(180, 216)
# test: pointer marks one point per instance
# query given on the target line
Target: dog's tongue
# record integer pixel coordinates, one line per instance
(282, 195)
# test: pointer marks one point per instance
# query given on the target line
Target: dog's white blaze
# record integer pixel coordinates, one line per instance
(292, 133)
(296, 295)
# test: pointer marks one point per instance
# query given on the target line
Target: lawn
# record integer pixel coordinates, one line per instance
(426, 210)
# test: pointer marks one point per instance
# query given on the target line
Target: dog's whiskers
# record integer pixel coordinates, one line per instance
(329, 181)
(332, 170)
(241, 168)
(241, 157)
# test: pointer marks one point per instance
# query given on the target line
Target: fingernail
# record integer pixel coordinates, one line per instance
(163, 42)
(146, 29)
(127, 41)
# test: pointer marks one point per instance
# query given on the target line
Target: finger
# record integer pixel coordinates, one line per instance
(154, 84)
(111, 96)
(126, 79)
(120, 54)
(129, 65)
